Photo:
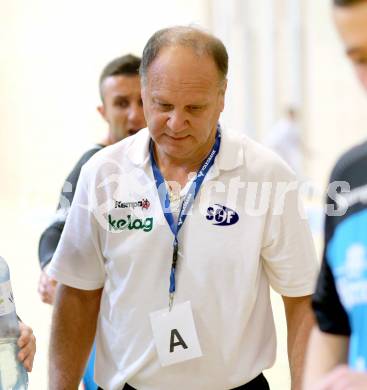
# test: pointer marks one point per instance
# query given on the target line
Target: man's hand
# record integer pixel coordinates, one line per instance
(325, 352)
(342, 378)
(47, 288)
(27, 345)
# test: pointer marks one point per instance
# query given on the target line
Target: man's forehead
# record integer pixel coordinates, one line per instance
(351, 23)
(180, 82)
(124, 84)
(178, 67)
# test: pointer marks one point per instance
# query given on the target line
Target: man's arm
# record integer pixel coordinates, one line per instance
(51, 235)
(299, 324)
(72, 334)
(325, 351)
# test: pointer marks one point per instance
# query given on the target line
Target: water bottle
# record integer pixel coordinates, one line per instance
(13, 375)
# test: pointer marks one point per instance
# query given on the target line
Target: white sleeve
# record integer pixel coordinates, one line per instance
(78, 261)
(288, 251)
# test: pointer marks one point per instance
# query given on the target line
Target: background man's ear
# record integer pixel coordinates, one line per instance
(101, 109)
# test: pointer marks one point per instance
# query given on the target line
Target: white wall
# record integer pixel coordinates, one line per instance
(336, 111)
(51, 56)
(305, 66)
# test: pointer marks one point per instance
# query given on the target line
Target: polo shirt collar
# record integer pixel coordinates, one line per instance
(231, 154)
(138, 152)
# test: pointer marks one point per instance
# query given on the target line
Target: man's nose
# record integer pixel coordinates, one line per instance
(177, 121)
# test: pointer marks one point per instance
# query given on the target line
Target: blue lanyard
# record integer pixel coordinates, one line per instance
(186, 204)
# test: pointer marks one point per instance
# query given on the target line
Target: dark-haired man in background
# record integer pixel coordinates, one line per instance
(121, 108)
(337, 356)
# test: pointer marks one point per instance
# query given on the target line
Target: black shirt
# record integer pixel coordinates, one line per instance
(51, 236)
(340, 300)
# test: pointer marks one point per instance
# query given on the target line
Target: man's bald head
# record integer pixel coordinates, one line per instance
(199, 41)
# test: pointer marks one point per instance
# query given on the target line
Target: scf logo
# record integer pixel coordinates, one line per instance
(221, 215)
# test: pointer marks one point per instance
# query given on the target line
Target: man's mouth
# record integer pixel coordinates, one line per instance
(179, 138)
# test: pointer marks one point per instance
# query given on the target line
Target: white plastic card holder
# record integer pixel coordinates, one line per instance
(175, 335)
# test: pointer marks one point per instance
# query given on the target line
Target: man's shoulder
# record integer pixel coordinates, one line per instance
(119, 156)
(260, 160)
(351, 164)
(73, 176)
(237, 139)
(89, 153)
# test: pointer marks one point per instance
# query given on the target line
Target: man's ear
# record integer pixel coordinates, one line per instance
(101, 109)
(224, 86)
(223, 93)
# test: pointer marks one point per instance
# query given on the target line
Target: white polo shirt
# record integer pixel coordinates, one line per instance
(236, 241)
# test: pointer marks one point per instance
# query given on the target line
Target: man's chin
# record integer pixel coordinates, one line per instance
(177, 152)
(120, 136)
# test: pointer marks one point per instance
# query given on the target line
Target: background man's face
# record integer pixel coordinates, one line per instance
(351, 23)
(122, 106)
(183, 98)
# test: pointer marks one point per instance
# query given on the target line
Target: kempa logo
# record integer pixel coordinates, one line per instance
(131, 224)
(221, 215)
(144, 204)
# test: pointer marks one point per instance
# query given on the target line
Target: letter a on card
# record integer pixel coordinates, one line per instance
(180, 341)
(175, 335)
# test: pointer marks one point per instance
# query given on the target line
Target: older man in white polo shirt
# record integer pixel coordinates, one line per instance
(173, 240)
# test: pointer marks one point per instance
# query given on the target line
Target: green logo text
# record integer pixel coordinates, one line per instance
(120, 224)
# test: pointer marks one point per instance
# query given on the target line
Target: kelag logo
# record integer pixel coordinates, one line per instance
(221, 215)
(131, 224)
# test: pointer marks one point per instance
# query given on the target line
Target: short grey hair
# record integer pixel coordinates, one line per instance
(192, 37)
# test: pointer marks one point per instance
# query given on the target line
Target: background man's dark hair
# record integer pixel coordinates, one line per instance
(200, 41)
(346, 3)
(127, 65)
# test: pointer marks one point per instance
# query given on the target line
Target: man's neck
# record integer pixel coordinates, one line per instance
(105, 141)
(179, 169)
